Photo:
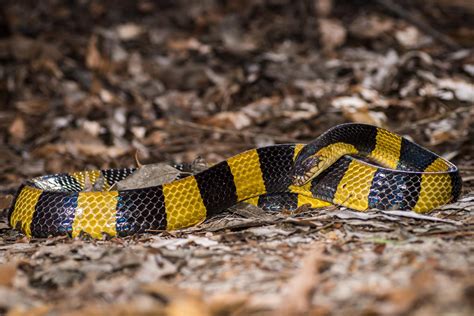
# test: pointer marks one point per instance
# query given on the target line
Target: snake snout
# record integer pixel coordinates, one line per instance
(304, 171)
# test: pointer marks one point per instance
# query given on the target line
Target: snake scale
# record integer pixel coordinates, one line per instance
(354, 165)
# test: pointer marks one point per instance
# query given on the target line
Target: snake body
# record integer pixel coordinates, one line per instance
(376, 169)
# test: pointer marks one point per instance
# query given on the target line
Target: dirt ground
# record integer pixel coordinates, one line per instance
(96, 84)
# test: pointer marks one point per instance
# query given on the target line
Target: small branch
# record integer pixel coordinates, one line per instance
(422, 217)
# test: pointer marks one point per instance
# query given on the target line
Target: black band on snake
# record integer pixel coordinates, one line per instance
(354, 165)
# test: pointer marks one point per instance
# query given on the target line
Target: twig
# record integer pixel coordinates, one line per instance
(422, 25)
(422, 217)
(467, 179)
(454, 233)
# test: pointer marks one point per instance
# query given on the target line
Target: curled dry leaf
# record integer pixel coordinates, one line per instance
(236, 120)
(463, 90)
(80, 149)
(299, 111)
(323, 7)
(5, 201)
(297, 296)
(154, 268)
(188, 44)
(332, 34)
(17, 129)
(179, 302)
(33, 107)
(357, 110)
(149, 175)
(129, 31)
(7, 273)
(409, 37)
(104, 52)
(94, 60)
(262, 111)
(256, 112)
(443, 131)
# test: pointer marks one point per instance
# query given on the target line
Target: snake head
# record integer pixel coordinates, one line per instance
(305, 170)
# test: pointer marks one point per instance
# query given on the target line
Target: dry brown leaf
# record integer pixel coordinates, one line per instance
(227, 303)
(297, 296)
(41, 310)
(365, 116)
(323, 7)
(409, 37)
(33, 107)
(7, 273)
(149, 175)
(256, 112)
(235, 120)
(5, 201)
(181, 302)
(187, 306)
(400, 301)
(463, 90)
(18, 129)
(155, 138)
(371, 26)
(188, 44)
(80, 149)
(23, 48)
(357, 110)
(48, 65)
(332, 34)
(129, 31)
(95, 60)
(444, 131)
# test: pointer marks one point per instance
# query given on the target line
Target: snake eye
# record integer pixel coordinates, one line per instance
(304, 170)
(310, 162)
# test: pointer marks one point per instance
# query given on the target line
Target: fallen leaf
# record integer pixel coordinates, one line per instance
(7, 274)
(155, 267)
(129, 31)
(5, 201)
(299, 290)
(409, 37)
(148, 176)
(33, 107)
(332, 33)
(323, 7)
(189, 44)
(17, 129)
(357, 110)
(371, 26)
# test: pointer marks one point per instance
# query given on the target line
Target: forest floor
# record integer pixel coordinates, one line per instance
(90, 84)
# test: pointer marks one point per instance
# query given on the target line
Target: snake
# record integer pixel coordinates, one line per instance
(357, 166)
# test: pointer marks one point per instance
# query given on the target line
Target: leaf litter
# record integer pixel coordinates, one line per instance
(100, 81)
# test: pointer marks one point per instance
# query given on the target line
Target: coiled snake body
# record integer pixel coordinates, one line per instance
(364, 167)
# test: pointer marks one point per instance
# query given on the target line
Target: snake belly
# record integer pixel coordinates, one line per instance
(406, 177)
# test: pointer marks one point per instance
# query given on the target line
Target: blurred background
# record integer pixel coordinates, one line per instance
(85, 84)
(91, 84)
